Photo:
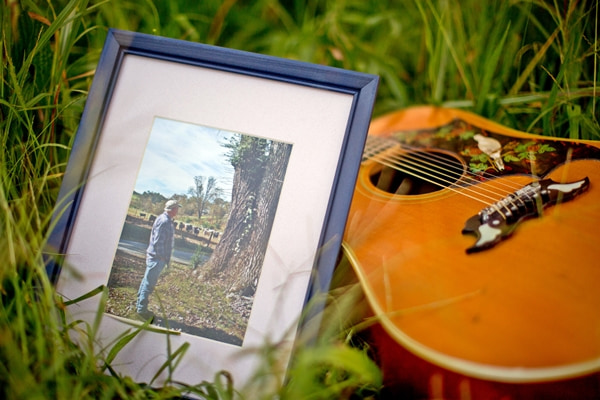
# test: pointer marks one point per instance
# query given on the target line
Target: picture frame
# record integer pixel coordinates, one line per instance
(172, 100)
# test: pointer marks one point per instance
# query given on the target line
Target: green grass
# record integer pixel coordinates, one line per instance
(531, 65)
(202, 308)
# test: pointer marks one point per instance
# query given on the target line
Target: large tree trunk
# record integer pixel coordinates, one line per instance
(266, 205)
(258, 178)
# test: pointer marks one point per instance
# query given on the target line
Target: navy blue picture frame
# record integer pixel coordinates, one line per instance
(361, 86)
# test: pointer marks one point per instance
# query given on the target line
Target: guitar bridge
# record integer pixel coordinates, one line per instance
(498, 221)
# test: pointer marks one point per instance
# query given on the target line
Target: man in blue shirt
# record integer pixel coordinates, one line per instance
(158, 255)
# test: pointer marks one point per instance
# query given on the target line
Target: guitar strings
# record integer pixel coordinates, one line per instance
(434, 156)
(437, 161)
(444, 183)
(398, 166)
(419, 151)
(456, 165)
(422, 164)
(495, 187)
(416, 160)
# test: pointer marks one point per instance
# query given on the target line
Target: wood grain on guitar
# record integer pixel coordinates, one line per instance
(477, 245)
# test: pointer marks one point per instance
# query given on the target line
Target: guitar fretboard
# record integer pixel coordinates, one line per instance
(375, 145)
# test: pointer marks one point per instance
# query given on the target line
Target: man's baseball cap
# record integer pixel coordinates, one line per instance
(171, 204)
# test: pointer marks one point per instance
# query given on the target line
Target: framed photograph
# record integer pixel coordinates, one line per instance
(208, 191)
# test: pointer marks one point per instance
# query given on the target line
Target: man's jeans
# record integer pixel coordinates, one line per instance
(153, 270)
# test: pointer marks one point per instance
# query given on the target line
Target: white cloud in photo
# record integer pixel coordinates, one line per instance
(179, 151)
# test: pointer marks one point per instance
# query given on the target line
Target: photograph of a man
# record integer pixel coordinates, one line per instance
(195, 237)
(158, 255)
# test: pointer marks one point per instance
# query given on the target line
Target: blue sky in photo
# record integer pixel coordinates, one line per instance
(178, 151)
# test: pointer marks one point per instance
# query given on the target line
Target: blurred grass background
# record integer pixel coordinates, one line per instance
(531, 65)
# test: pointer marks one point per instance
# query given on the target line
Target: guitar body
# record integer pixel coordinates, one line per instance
(467, 272)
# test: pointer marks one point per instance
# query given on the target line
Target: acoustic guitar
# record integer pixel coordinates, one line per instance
(477, 248)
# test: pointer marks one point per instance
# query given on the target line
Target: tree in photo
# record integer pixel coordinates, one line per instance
(259, 170)
(204, 192)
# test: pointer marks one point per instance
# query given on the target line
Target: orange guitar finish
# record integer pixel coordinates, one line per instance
(523, 312)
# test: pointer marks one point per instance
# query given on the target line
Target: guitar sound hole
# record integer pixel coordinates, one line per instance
(415, 173)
